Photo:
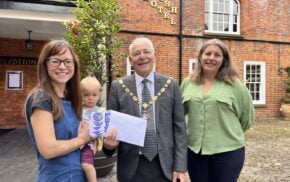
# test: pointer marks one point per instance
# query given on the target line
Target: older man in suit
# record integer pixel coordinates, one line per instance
(156, 98)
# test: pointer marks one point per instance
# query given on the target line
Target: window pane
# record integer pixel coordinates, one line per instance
(220, 27)
(215, 7)
(235, 7)
(227, 6)
(132, 70)
(235, 27)
(222, 12)
(206, 16)
(207, 5)
(257, 96)
(221, 7)
(258, 78)
(253, 69)
(226, 18)
(235, 18)
(248, 68)
(258, 68)
(257, 87)
(214, 26)
(226, 27)
(247, 77)
(215, 17)
(220, 18)
(253, 80)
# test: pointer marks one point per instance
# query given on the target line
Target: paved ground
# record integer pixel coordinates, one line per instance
(267, 152)
(267, 155)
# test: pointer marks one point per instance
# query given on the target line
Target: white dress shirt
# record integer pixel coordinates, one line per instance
(150, 85)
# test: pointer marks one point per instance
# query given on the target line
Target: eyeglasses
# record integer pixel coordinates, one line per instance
(55, 62)
(145, 52)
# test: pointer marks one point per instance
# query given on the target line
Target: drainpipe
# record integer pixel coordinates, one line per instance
(180, 36)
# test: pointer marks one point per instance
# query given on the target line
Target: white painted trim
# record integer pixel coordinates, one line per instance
(191, 61)
(128, 66)
(129, 69)
(263, 80)
(210, 26)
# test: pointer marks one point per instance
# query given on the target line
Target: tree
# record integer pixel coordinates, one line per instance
(93, 36)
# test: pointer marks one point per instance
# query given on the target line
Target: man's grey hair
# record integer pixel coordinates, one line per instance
(145, 39)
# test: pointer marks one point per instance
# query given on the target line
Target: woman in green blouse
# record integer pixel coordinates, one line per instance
(219, 110)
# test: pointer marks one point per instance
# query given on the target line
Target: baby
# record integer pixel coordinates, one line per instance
(90, 90)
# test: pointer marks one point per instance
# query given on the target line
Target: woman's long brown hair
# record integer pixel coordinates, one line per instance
(72, 90)
(226, 73)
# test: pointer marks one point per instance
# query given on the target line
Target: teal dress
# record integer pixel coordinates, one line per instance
(66, 168)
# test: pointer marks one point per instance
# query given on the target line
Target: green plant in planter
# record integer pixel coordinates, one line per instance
(286, 99)
(93, 36)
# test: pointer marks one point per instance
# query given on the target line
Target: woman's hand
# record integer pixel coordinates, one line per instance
(110, 141)
(83, 131)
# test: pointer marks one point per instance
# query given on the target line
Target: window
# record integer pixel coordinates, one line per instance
(222, 16)
(14, 80)
(130, 69)
(254, 78)
(192, 62)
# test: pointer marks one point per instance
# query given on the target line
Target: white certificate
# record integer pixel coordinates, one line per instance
(130, 129)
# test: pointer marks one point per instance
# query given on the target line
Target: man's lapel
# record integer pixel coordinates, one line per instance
(157, 87)
(132, 86)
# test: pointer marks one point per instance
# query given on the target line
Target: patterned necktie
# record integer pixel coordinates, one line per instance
(150, 145)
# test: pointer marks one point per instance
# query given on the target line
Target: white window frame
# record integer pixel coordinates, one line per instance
(129, 68)
(262, 82)
(231, 17)
(191, 62)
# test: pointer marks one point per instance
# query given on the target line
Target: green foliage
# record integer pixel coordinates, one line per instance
(286, 99)
(93, 35)
(287, 69)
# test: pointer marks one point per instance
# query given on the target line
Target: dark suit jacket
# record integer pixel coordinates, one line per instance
(170, 126)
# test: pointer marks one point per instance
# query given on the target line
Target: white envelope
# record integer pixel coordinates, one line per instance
(131, 129)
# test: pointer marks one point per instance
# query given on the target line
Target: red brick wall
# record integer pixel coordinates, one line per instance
(251, 51)
(263, 23)
(260, 20)
(266, 20)
(144, 15)
(11, 101)
(166, 49)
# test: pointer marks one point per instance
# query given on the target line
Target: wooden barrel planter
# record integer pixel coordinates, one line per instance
(285, 111)
(104, 164)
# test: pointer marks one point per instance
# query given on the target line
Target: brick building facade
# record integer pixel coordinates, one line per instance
(254, 31)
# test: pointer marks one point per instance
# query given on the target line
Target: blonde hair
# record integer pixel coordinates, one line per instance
(90, 83)
(226, 72)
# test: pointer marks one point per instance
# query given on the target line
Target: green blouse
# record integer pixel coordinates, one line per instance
(216, 122)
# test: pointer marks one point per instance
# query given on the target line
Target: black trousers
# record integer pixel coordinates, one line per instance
(222, 167)
(149, 171)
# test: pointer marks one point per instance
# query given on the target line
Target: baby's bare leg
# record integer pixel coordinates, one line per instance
(90, 172)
